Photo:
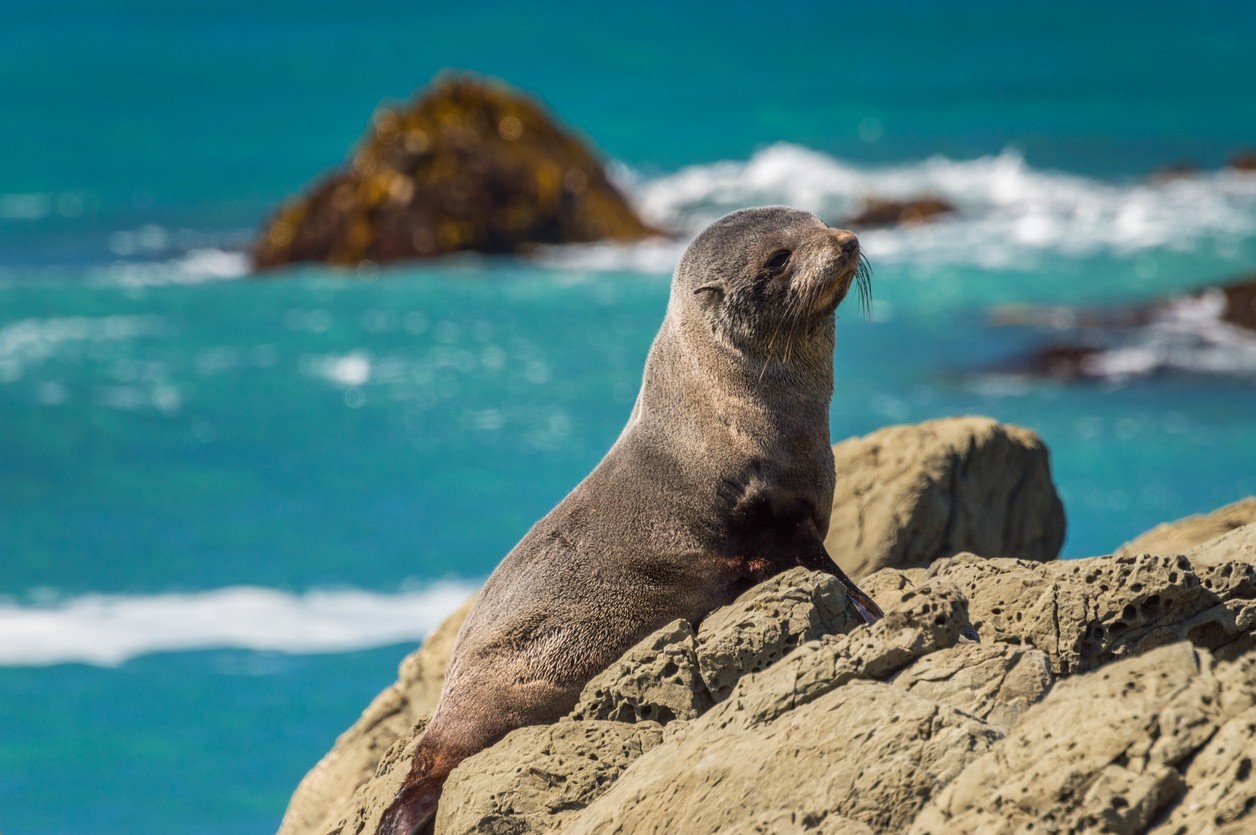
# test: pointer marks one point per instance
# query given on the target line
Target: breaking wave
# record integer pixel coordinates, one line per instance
(107, 630)
(1008, 214)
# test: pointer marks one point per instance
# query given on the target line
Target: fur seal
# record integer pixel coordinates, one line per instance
(722, 478)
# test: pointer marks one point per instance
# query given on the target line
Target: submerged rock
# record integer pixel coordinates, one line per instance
(879, 212)
(1210, 330)
(1244, 160)
(907, 495)
(469, 165)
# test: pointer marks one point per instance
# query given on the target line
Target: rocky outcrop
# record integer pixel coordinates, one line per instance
(564, 767)
(1184, 535)
(910, 726)
(880, 212)
(325, 797)
(1244, 160)
(1109, 694)
(1104, 752)
(907, 495)
(1211, 330)
(657, 680)
(470, 165)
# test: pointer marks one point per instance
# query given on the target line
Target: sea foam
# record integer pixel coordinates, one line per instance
(107, 630)
(1010, 215)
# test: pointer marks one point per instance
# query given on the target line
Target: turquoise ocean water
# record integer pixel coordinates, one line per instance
(228, 507)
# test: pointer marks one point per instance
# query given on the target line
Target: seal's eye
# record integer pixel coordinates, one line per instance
(778, 261)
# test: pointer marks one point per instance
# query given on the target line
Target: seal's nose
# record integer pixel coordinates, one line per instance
(846, 241)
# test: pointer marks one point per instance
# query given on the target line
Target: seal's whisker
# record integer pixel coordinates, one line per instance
(863, 282)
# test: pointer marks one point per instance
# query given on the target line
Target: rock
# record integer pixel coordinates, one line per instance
(865, 752)
(326, 794)
(791, 822)
(1107, 694)
(917, 622)
(657, 680)
(1221, 791)
(1208, 330)
(470, 165)
(1185, 534)
(768, 622)
(916, 210)
(994, 682)
(1103, 752)
(1243, 160)
(537, 777)
(1171, 171)
(1238, 545)
(1085, 613)
(907, 495)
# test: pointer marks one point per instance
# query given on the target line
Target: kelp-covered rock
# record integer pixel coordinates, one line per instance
(469, 165)
(907, 495)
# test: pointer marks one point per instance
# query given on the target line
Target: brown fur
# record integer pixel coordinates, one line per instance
(722, 477)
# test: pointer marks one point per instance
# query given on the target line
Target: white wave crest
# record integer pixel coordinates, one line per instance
(107, 630)
(1187, 335)
(1008, 213)
(193, 267)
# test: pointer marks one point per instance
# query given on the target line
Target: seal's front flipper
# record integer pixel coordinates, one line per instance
(865, 605)
(818, 559)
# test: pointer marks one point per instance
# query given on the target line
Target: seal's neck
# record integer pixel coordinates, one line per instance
(696, 391)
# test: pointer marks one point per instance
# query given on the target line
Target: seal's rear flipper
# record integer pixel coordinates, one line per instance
(413, 810)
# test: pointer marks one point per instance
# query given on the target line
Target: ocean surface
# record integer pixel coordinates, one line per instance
(228, 507)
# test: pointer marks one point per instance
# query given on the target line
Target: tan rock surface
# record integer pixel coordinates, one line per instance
(1101, 753)
(1185, 534)
(537, 777)
(907, 495)
(1221, 793)
(657, 680)
(1083, 613)
(920, 621)
(326, 793)
(1108, 694)
(1236, 545)
(867, 751)
(994, 682)
(768, 622)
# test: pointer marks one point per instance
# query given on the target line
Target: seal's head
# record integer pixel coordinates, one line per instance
(761, 278)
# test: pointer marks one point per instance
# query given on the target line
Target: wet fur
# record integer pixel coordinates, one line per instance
(722, 478)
